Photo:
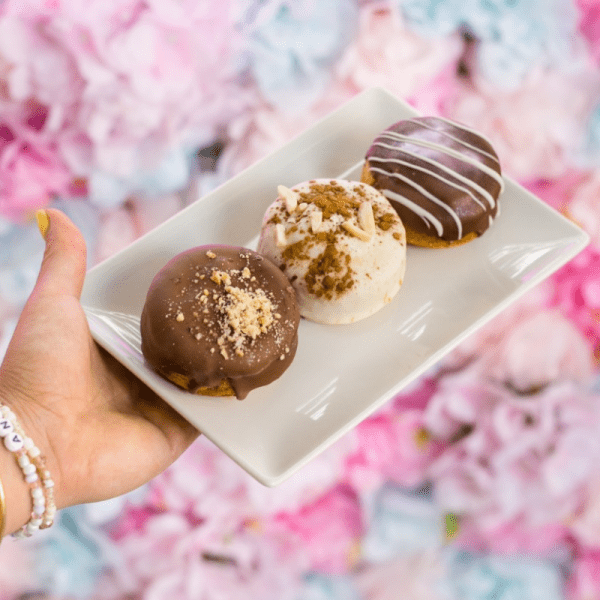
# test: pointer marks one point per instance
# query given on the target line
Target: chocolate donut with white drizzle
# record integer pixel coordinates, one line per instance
(443, 179)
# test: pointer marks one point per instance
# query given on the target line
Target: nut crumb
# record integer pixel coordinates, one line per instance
(316, 218)
(280, 235)
(290, 197)
(366, 219)
(352, 229)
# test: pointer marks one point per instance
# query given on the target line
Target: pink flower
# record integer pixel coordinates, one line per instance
(584, 582)
(118, 229)
(172, 557)
(527, 347)
(377, 441)
(384, 48)
(583, 208)
(28, 179)
(513, 459)
(532, 127)
(558, 192)
(18, 565)
(121, 84)
(259, 132)
(589, 25)
(575, 292)
(417, 575)
(329, 529)
(514, 538)
(586, 524)
(543, 348)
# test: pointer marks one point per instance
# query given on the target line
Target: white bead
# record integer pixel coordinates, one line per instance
(32, 478)
(13, 442)
(9, 414)
(28, 443)
(31, 528)
(23, 460)
(48, 483)
(29, 469)
(38, 510)
(6, 427)
(33, 452)
(37, 492)
(37, 521)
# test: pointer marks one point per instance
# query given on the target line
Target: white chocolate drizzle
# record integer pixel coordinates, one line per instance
(424, 193)
(458, 140)
(407, 156)
(444, 150)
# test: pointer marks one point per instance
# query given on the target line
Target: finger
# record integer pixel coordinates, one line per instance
(64, 263)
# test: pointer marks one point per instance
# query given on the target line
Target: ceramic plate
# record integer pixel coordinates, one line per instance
(341, 374)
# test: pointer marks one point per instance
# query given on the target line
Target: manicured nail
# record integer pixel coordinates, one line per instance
(43, 221)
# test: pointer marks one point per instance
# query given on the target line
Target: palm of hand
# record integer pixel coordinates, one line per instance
(103, 431)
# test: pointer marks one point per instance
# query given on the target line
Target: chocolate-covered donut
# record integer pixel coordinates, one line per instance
(220, 320)
(442, 178)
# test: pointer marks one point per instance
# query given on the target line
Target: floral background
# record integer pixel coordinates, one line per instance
(481, 481)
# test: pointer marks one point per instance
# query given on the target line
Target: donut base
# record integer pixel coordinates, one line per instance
(183, 381)
(416, 238)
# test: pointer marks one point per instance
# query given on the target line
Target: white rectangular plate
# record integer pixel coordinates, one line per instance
(341, 374)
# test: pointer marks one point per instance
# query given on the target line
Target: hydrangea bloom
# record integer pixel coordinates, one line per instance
(532, 127)
(514, 459)
(31, 174)
(123, 86)
(514, 36)
(513, 419)
(293, 44)
(589, 150)
(589, 25)
(575, 292)
(384, 48)
(583, 208)
(328, 529)
(584, 582)
(480, 577)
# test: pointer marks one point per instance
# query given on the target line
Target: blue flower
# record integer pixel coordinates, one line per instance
(69, 560)
(22, 248)
(589, 153)
(513, 35)
(328, 587)
(474, 577)
(402, 523)
(171, 175)
(291, 46)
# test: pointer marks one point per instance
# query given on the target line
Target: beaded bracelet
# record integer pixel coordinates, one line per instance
(2, 512)
(35, 473)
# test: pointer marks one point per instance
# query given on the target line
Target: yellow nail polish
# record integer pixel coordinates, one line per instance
(43, 221)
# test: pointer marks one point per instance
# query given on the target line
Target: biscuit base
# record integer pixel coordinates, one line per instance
(183, 381)
(416, 238)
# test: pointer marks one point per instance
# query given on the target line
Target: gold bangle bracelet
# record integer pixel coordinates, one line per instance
(2, 512)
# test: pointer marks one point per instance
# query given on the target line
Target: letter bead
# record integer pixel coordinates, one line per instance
(6, 427)
(13, 442)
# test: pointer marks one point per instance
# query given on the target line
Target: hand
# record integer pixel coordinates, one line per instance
(102, 431)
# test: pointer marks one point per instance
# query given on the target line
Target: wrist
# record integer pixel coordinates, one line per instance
(16, 493)
(28, 459)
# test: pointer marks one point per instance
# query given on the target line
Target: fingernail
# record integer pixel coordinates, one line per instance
(43, 221)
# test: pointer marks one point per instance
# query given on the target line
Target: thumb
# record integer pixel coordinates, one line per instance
(64, 263)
